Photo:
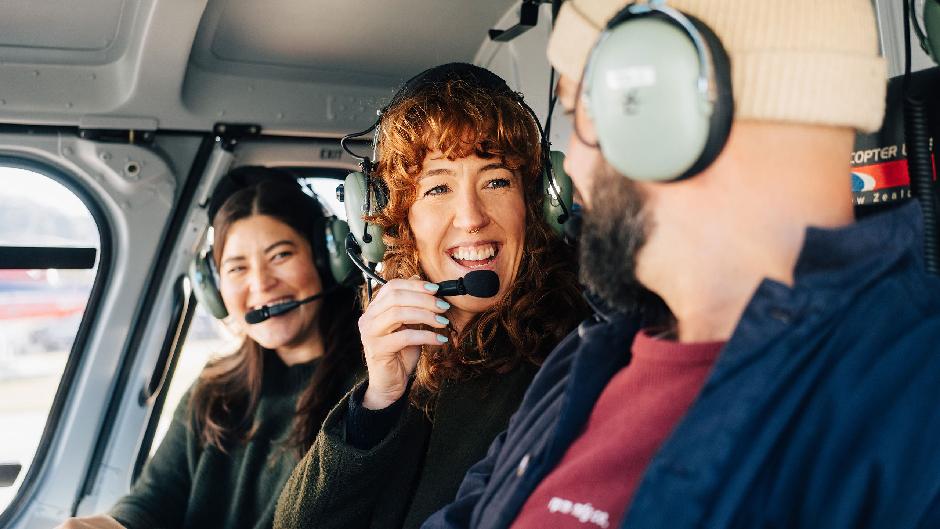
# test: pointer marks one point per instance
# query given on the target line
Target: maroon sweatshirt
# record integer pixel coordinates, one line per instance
(595, 480)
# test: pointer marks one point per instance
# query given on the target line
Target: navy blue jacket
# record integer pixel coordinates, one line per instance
(822, 411)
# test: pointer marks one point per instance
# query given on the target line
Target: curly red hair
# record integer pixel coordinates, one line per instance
(460, 119)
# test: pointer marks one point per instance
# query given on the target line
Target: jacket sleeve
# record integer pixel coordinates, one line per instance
(458, 513)
(336, 484)
(160, 496)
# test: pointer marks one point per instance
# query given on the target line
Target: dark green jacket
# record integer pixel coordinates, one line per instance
(411, 473)
(186, 485)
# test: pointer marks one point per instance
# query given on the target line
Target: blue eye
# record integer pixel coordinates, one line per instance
(497, 183)
(437, 190)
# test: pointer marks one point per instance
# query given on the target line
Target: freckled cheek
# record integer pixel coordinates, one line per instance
(428, 228)
(511, 217)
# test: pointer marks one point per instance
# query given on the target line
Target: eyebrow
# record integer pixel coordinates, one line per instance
(437, 172)
(494, 166)
(278, 243)
(444, 171)
(266, 250)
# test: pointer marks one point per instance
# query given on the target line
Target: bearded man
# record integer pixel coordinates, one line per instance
(796, 378)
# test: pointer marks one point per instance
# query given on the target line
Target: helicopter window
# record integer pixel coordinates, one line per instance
(49, 257)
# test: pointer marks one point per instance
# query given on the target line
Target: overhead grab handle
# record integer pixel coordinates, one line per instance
(8, 473)
(528, 19)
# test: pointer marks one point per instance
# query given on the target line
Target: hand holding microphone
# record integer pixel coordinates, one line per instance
(390, 340)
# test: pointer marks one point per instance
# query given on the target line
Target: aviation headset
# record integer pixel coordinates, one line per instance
(657, 87)
(365, 195)
(327, 238)
(929, 35)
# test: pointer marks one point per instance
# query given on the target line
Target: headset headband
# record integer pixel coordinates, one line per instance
(247, 176)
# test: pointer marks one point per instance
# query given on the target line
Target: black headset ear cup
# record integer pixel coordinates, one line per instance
(723, 108)
(204, 278)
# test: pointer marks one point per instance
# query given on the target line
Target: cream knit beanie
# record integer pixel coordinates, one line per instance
(806, 61)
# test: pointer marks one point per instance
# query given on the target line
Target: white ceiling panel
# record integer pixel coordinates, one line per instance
(85, 25)
(308, 67)
(389, 38)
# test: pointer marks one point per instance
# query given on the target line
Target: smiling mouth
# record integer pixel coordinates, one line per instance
(476, 256)
(269, 303)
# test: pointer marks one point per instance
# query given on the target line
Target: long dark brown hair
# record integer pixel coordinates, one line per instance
(544, 303)
(228, 390)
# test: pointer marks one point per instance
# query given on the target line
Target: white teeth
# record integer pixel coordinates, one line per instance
(272, 302)
(474, 253)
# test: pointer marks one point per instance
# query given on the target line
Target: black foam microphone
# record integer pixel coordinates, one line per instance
(269, 311)
(478, 283)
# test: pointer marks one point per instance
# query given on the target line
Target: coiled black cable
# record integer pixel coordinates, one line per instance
(920, 170)
(919, 160)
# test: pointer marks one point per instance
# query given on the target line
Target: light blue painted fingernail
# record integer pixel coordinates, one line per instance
(442, 320)
(431, 287)
(443, 304)
(442, 339)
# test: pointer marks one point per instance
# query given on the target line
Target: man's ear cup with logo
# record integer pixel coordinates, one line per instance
(652, 121)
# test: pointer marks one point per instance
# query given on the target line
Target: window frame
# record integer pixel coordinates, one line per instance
(76, 353)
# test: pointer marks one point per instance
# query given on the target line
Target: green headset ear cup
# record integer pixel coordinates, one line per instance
(552, 209)
(651, 121)
(204, 279)
(340, 265)
(354, 199)
(932, 28)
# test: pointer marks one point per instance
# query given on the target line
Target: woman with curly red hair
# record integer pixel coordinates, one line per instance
(461, 158)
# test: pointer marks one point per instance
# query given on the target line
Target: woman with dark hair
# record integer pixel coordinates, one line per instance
(461, 158)
(251, 415)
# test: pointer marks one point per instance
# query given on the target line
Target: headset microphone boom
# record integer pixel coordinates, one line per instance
(478, 283)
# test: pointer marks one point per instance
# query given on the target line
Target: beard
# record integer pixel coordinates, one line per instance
(614, 231)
